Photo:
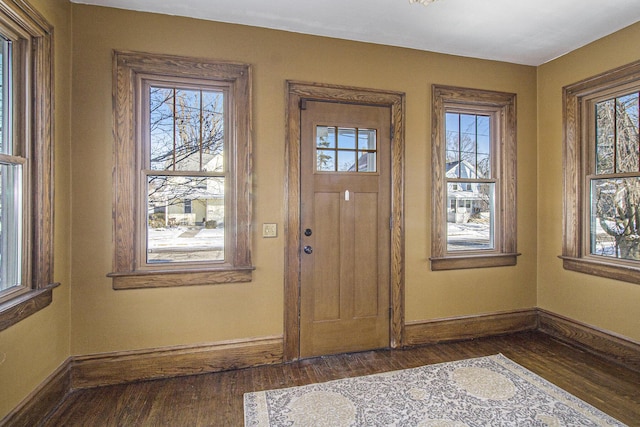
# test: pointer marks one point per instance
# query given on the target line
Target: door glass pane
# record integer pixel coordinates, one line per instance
(470, 216)
(615, 218)
(10, 226)
(347, 138)
(326, 160)
(346, 149)
(185, 219)
(367, 162)
(366, 139)
(347, 161)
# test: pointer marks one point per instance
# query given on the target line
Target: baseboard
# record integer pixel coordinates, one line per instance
(42, 401)
(124, 367)
(469, 327)
(605, 344)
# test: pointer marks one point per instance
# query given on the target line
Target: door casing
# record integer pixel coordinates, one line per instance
(297, 93)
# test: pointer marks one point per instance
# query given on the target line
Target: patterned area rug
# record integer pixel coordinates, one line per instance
(487, 391)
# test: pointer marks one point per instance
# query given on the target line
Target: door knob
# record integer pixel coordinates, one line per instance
(308, 250)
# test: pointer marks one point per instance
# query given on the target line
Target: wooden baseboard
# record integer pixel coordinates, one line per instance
(42, 401)
(469, 327)
(605, 344)
(123, 367)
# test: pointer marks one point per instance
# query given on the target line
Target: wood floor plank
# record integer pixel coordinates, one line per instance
(217, 399)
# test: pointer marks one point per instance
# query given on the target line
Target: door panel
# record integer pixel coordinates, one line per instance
(345, 202)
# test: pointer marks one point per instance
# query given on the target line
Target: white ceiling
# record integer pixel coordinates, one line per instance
(529, 32)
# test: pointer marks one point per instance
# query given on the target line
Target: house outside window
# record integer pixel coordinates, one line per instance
(190, 217)
(26, 169)
(474, 172)
(602, 175)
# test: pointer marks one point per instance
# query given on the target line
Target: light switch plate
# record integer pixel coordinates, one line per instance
(269, 230)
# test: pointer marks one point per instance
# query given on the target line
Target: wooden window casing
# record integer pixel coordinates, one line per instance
(501, 107)
(132, 73)
(578, 160)
(32, 135)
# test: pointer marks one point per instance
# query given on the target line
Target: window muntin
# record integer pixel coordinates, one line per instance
(614, 182)
(182, 208)
(468, 174)
(473, 179)
(340, 149)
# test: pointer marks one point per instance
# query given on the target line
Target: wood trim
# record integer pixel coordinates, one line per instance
(35, 114)
(43, 400)
(128, 366)
(607, 345)
(164, 279)
(473, 261)
(575, 155)
(502, 106)
(129, 70)
(470, 327)
(295, 93)
(23, 306)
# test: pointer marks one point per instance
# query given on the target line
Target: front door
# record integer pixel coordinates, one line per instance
(345, 227)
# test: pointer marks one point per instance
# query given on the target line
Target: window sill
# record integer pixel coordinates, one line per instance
(625, 273)
(23, 306)
(175, 278)
(473, 261)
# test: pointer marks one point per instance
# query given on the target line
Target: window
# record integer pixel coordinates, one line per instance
(474, 179)
(26, 170)
(182, 207)
(602, 175)
(341, 149)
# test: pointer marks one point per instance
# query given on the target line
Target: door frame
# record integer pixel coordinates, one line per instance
(395, 101)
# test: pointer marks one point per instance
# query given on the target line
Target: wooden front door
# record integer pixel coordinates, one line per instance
(345, 227)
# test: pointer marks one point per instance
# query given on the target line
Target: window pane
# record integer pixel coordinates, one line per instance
(367, 162)
(468, 141)
(6, 143)
(326, 160)
(186, 129)
(347, 161)
(470, 216)
(325, 137)
(627, 133)
(185, 221)
(10, 226)
(605, 136)
(347, 138)
(366, 139)
(615, 218)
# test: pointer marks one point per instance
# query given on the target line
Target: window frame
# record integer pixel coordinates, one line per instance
(578, 144)
(32, 127)
(501, 106)
(132, 72)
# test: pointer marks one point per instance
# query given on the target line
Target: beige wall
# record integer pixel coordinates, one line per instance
(35, 347)
(106, 320)
(603, 303)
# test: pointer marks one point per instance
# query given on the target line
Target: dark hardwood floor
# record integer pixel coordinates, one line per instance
(217, 399)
